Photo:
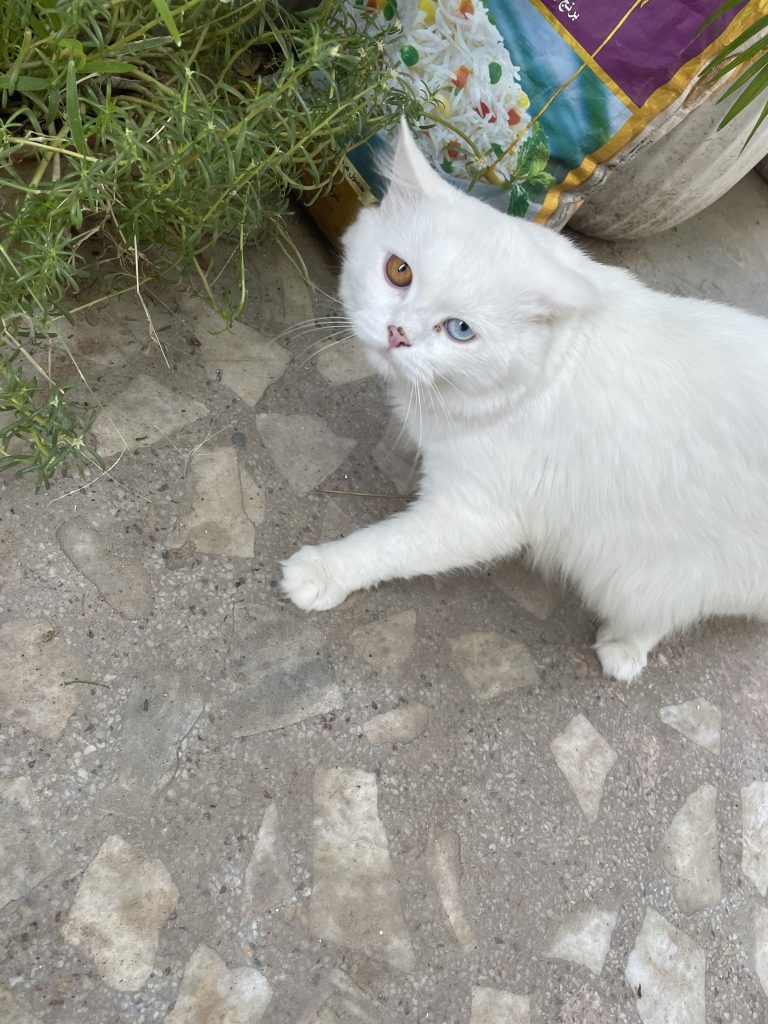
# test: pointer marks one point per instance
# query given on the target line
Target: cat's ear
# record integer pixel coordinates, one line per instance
(568, 292)
(555, 283)
(409, 172)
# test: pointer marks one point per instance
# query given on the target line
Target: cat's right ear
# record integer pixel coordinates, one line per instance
(410, 174)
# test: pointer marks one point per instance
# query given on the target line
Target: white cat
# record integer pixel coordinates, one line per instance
(619, 434)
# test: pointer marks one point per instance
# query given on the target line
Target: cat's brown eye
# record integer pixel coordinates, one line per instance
(398, 272)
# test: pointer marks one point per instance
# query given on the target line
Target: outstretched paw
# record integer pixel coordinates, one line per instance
(308, 582)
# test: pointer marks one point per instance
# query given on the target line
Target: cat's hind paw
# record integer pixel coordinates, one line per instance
(308, 582)
(623, 661)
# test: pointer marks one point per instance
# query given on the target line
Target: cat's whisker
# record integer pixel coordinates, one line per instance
(301, 325)
(309, 343)
(421, 422)
(431, 399)
(405, 420)
(441, 400)
(452, 384)
(326, 337)
(327, 295)
(312, 320)
(335, 319)
(306, 326)
(417, 453)
(331, 344)
(332, 327)
(320, 327)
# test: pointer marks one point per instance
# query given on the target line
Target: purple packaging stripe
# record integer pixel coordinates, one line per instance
(655, 41)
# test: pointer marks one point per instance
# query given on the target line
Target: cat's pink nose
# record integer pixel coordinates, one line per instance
(396, 337)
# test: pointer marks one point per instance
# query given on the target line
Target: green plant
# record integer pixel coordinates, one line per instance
(41, 414)
(157, 127)
(531, 174)
(753, 58)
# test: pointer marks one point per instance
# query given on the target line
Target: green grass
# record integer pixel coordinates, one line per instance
(155, 127)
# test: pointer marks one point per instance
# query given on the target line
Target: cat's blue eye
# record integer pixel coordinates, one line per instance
(459, 330)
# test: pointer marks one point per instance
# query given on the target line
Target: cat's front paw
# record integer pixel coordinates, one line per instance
(621, 661)
(309, 582)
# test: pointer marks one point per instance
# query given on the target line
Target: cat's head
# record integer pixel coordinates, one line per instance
(441, 287)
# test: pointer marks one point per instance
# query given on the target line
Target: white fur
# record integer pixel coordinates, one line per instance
(619, 434)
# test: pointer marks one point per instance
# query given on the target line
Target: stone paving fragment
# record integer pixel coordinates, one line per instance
(494, 1006)
(11, 547)
(11, 1012)
(754, 838)
(249, 362)
(584, 938)
(212, 993)
(123, 901)
(338, 1001)
(697, 720)
(690, 852)
(35, 665)
(225, 506)
(337, 521)
(356, 899)
(443, 856)
(144, 413)
(27, 855)
(120, 578)
(111, 350)
(396, 457)
(282, 296)
(267, 883)
(665, 971)
(644, 748)
(343, 363)
(760, 936)
(583, 1007)
(526, 588)
(303, 447)
(402, 725)
(493, 665)
(585, 759)
(160, 712)
(284, 683)
(387, 643)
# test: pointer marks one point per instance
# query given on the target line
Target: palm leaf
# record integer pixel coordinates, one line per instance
(756, 125)
(720, 11)
(744, 77)
(755, 27)
(752, 91)
(753, 80)
(741, 58)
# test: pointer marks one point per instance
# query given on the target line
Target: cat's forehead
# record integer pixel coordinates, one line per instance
(456, 249)
(438, 233)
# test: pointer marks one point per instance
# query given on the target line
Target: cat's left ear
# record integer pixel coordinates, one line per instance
(410, 173)
(569, 292)
(557, 285)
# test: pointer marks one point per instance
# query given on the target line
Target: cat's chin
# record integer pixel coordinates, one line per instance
(384, 361)
(378, 358)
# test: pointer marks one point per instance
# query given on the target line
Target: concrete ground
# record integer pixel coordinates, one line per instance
(424, 806)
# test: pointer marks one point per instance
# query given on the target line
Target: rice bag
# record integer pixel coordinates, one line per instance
(528, 103)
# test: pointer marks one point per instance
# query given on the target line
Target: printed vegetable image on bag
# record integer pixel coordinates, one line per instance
(528, 104)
